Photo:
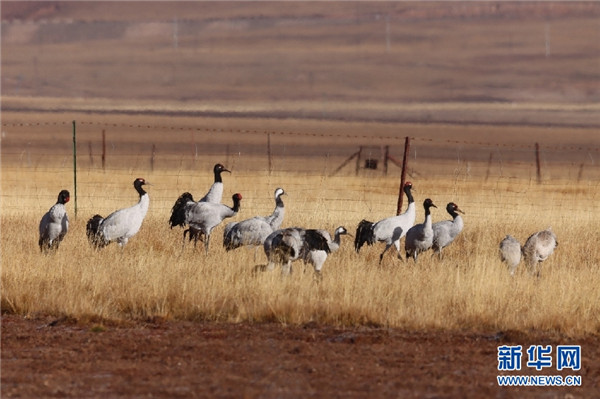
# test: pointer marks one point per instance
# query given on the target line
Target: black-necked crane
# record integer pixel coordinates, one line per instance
(215, 193)
(285, 246)
(446, 231)
(419, 238)
(254, 231)
(389, 230)
(54, 224)
(317, 257)
(122, 224)
(203, 217)
(214, 196)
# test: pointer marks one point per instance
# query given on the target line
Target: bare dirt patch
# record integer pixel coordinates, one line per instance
(48, 357)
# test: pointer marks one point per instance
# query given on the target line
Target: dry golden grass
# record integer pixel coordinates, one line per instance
(153, 277)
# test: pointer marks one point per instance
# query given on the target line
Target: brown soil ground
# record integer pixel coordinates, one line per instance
(46, 357)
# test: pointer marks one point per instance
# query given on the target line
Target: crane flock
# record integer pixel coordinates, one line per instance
(283, 246)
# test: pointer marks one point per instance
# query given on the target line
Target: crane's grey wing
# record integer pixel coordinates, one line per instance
(252, 231)
(115, 225)
(54, 223)
(64, 226)
(197, 212)
(45, 225)
(441, 233)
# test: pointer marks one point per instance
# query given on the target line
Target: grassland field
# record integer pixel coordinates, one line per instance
(153, 276)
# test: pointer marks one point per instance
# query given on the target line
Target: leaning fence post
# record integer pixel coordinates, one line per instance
(403, 174)
(358, 155)
(75, 168)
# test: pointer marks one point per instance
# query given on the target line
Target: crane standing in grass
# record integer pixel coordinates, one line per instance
(254, 231)
(317, 257)
(54, 224)
(446, 231)
(285, 246)
(419, 238)
(120, 225)
(214, 196)
(538, 247)
(389, 230)
(510, 253)
(205, 216)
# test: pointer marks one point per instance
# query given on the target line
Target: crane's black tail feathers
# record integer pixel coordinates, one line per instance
(92, 230)
(364, 234)
(178, 211)
(195, 234)
(314, 240)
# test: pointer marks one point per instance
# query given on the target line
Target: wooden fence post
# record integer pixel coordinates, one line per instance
(537, 163)
(403, 174)
(152, 157)
(386, 157)
(103, 150)
(91, 154)
(269, 153)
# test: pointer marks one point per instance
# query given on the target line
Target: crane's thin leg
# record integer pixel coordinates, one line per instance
(387, 246)
(286, 268)
(183, 241)
(397, 245)
(206, 243)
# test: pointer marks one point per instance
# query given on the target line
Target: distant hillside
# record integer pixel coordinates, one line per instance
(310, 59)
(157, 10)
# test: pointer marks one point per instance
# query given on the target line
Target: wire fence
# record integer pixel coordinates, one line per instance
(116, 146)
(177, 152)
